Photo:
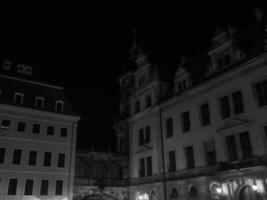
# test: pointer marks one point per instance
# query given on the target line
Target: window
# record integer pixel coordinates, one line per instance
(227, 59)
(193, 191)
(36, 128)
(63, 132)
(47, 159)
(174, 194)
(21, 126)
(136, 106)
(210, 152)
(44, 187)
(147, 136)
(50, 130)
(141, 137)
(225, 107)
(28, 187)
(265, 131)
(16, 156)
(231, 147)
(141, 80)
(59, 106)
(2, 155)
(205, 114)
(5, 124)
(220, 63)
(245, 145)
(39, 102)
(32, 158)
(261, 92)
(238, 102)
(169, 127)
(59, 187)
(148, 100)
(61, 160)
(142, 167)
(18, 98)
(172, 161)
(149, 165)
(190, 160)
(186, 121)
(12, 186)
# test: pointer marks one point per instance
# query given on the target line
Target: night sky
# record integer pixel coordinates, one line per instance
(86, 50)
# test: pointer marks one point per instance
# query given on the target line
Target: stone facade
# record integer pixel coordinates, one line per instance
(199, 139)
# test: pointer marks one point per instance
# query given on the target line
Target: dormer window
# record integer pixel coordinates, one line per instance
(39, 102)
(18, 98)
(59, 106)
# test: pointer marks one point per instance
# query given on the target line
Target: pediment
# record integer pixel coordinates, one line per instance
(233, 122)
(143, 148)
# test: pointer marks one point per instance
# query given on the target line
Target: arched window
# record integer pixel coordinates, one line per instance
(18, 98)
(174, 194)
(39, 102)
(193, 191)
(59, 106)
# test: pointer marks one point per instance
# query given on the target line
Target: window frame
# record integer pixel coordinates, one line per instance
(16, 94)
(37, 98)
(57, 103)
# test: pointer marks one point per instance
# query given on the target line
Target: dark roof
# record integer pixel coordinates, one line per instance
(31, 89)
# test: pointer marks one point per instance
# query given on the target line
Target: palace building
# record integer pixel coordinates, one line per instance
(37, 137)
(204, 138)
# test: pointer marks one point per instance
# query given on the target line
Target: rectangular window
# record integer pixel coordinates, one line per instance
(169, 127)
(225, 107)
(149, 165)
(47, 159)
(32, 158)
(12, 186)
(44, 187)
(59, 187)
(210, 152)
(2, 155)
(238, 102)
(190, 159)
(141, 137)
(186, 121)
(5, 124)
(61, 160)
(28, 187)
(147, 138)
(261, 92)
(21, 127)
(63, 132)
(245, 145)
(16, 156)
(172, 161)
(142, 167)
(148, 101)
(265, 131)
(36, 128)
(231, 147)
(50, 130)
(136, 106)
(205, 114)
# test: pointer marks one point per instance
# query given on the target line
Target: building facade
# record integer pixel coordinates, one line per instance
(102, 175)
(202, 139)
(37, 137)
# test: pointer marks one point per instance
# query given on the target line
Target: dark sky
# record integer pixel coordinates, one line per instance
(86, 50)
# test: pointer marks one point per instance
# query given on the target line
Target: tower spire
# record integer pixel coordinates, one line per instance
(135, 50)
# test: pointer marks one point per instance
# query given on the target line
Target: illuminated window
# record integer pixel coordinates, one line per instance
(5, 124)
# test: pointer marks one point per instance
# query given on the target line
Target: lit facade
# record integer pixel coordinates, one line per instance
(201, 139)
(38, 138)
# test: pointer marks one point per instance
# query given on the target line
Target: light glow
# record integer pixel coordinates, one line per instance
(219, 190)
(140, 196)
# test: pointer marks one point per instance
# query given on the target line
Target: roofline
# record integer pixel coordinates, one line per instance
(32, 82)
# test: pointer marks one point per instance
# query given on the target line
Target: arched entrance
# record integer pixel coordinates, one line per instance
(247, 193)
